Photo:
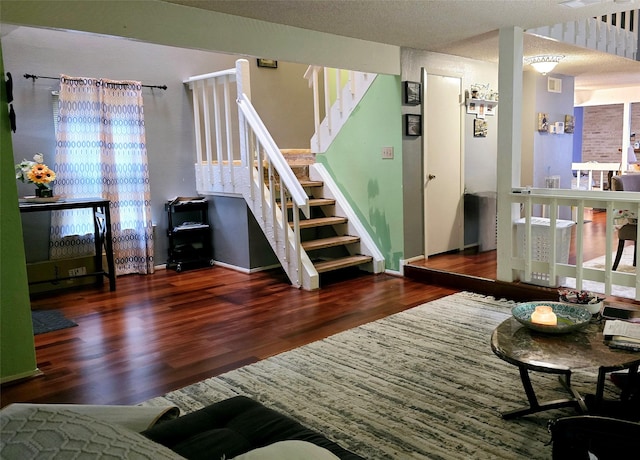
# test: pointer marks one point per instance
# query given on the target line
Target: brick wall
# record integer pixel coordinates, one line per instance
(602, 132)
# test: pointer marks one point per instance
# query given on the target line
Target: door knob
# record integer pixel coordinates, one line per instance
(432, 176)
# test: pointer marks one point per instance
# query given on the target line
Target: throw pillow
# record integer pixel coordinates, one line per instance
(288, 450)
(41, 432)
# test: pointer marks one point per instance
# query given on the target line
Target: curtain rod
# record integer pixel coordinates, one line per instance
(35, 77)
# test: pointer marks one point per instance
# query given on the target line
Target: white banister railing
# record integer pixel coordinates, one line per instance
(614, 34)
(235, 153)
(337, 107)
(590, 167)
(527, 262)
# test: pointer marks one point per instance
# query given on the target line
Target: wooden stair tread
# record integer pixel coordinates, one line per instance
(311, 183)
(344, 262)
(316, 202)
(322, 243)
(320, 221)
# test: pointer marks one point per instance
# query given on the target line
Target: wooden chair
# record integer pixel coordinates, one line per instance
(628, 232)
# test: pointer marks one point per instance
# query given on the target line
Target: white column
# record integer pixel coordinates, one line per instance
(626, 134)
(509, 141)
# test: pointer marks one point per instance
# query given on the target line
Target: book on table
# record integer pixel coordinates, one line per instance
(622, 334)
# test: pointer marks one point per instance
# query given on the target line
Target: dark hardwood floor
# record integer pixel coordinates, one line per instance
(160, 332)
(163, 331)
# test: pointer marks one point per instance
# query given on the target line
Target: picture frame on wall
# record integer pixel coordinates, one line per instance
(268, 63)
(543, 122)
(413, 125)
(569, 124)
(479, 127)
(412, 93)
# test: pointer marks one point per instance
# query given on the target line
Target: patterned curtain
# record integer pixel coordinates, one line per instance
(101, 152)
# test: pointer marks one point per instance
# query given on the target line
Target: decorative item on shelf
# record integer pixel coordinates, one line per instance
(586, 299)
(545, 63)
(38, 173)
(569, 124)
(543, 122)
(480, 100)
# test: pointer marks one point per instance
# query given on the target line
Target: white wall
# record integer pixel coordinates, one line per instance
(480, 154)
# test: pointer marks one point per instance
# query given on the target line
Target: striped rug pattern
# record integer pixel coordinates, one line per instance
(421, 384)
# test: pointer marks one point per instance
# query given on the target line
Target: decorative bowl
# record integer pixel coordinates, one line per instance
(570, 317)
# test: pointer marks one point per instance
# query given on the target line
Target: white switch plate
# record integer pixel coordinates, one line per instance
(387, 152)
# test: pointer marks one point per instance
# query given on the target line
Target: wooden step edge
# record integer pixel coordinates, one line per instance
(311, 183)
(333, 241)
(321, 221)
(316, 202)
(344, 262)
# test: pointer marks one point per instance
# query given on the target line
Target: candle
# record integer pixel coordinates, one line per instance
(544, 315)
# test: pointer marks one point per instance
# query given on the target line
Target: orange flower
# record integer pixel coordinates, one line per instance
(41, 174)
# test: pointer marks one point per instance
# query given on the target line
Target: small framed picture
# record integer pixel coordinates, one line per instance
(472, 108)
(479, 127)
(412, 93)
(413, 125)
(269, 63)
(543, 122)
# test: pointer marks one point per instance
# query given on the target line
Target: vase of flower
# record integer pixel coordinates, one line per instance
(43, 192)
(38, 173)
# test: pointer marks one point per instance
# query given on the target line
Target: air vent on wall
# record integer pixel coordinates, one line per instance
(554, 85)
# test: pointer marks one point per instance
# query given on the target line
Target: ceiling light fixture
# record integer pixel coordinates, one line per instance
(544, 64)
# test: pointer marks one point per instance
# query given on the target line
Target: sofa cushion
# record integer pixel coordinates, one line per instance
(41, 432)
(232, 427)
(288, 450)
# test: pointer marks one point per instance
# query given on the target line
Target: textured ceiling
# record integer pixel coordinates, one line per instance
(460, 27)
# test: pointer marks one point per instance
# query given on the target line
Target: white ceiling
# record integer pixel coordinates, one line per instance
(467, 28)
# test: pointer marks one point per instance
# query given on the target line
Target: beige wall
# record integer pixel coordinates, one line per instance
(602, 131)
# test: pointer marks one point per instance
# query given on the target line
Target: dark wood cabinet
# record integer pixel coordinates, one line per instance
(189, 234)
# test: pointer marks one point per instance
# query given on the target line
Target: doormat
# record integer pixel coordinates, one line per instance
(49, 320)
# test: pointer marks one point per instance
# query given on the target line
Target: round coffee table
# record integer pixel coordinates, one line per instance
(559, 354)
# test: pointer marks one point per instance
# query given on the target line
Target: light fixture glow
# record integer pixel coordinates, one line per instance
(544, 64)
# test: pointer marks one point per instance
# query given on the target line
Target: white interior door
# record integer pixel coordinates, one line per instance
(443, 186)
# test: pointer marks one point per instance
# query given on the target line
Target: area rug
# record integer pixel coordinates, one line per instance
(625, 266)
(423, 384)
(49, 320)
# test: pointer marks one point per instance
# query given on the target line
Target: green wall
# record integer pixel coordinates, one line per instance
(373, 186)
(17, 350)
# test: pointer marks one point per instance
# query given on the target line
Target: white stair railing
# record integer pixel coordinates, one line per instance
(234, 154)
(350, 86)
(614, 33)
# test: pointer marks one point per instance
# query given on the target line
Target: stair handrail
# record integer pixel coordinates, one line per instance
(275, 157)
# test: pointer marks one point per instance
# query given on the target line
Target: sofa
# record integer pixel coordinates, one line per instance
(236, 428)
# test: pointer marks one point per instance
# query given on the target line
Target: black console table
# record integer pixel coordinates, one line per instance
(101, 227)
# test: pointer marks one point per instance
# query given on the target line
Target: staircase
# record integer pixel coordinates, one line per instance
(316, 230)
(324, 235)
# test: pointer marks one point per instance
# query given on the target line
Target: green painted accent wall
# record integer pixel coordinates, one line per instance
(17, 349)
(373, 186)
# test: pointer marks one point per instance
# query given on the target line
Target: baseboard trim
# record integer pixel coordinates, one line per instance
(246, 270)
(519, 292)
(12, 379)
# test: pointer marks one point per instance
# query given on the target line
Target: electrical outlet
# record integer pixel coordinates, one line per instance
(78, 271)
(387, 153)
